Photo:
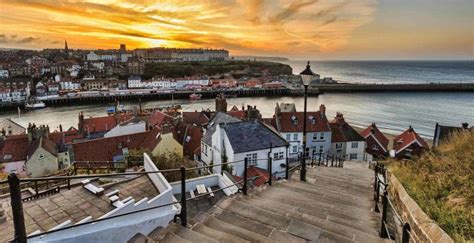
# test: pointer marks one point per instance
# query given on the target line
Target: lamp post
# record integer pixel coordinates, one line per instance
(307, 75)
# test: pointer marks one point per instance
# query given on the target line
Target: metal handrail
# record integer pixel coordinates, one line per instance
(386, 230)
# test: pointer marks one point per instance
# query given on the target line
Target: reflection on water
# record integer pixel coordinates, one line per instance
(394, 112)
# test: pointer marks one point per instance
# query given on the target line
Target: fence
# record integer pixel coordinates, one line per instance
(392, 225)
(15, 182)
(320, 159)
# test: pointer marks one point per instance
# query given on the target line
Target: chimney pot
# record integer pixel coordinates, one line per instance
(465, 125)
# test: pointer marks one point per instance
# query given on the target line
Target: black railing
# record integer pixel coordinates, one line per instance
(16, 198)
(321, 159)
(386, 231)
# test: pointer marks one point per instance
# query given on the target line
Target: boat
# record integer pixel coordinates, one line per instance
(195, 96)
(35, 105)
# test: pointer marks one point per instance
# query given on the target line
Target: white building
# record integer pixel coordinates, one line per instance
(346, 142)
(92, 56)
(135, 82)
(181, 83)
(4, 73)
(253, 140)
(70, 85)
(318, 131)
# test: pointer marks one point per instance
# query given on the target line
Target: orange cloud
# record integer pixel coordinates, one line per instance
(281, 27)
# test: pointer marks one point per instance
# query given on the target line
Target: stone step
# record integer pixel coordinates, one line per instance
(280, 236)
(229, 226)
(316, 190)
(156, 233)
(244, 223)
(140, 238)
(257, 214)
(218, 235)
(191, 235)
(299, 212)
(342, 178)
(172, 238)
(278, 192)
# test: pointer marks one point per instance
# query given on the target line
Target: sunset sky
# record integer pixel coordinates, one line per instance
(317, 29)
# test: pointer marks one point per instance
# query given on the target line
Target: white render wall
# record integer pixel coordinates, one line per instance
(121, 229)
(130, 128)
(310, 143)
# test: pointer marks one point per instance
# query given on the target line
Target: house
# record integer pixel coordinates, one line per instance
(134, 82)
(115, 148)
(377, 143)
(443, 133)
(96, 127)
(168, 143)
(189, 136)
(32, 154)
(408, 144)
(128, 127)
(250, 140)
(318, 132)
(196, 118)
(346, 142)
(207, 149)
(159, 119)
(9, 127)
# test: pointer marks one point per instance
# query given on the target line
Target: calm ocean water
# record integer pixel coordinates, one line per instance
(393, 112)
(392, 71)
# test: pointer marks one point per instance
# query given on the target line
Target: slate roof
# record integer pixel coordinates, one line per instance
(342, 131)
(443, 133)
(251, 136)
(218, 118)
(75, 204)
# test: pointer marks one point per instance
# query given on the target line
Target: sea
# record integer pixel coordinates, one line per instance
(392, 112)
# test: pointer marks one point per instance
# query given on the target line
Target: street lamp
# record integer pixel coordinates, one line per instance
(307, 75)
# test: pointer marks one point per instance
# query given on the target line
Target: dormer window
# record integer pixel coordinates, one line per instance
(294, 120)
(312, 120)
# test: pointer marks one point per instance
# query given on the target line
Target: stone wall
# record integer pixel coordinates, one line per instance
(423, 228)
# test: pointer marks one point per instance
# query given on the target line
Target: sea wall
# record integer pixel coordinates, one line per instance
(423, 228)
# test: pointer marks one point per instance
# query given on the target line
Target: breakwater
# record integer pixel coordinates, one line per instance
(209, 94)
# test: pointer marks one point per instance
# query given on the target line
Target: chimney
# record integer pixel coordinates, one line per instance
(221, 103)
(410, 128)
(322, 110)
(372, 128)
(9, 130)
(81, 122)
(253, 114)
(465, 125)
(60, 128)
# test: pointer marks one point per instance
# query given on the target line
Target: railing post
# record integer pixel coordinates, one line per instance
(17, 208)
(270, 171)
(375, 183)
(183, 216)
(332, 161)
(287, 169)
(383, 232)
(36, 187)
(406, 233)
(377, 196)
(245, 176)
(319, 161)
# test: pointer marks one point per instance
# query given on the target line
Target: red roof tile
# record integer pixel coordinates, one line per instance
(287, 124)
(198, 118)
(104, 123)
(14, 146)
(158, 118)
(262, 174)
(374, 131)
(406, 138)
(104, 149)
(189, 136)
(341, 131)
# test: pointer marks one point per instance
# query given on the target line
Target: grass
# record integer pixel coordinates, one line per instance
(442, 183)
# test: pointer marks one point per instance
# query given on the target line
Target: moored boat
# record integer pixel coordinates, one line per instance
(195, 96)
(35, 105)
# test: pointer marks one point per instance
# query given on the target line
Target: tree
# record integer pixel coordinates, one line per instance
(172, 160)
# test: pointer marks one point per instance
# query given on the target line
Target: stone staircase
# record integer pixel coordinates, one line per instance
(334, 205)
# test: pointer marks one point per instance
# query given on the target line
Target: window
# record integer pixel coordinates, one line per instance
(295, 137)
(374, 147)
(321, 135)
(355, 144)
(252, 158)
(338, 146)
(288, 137)
(321, 148)
(277, 156)
(315, 136)
(353, 156)
(295, 149)
(41, 156)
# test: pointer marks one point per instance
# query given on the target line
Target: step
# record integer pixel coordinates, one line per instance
(192, 236)
(229, 228)
(297, 212)
(308, 199)
(328, 237)
(156, 233)
(280, 236)
(244, 223)
(140, 238)
(172, 238)
(260, 215)
(316, 190)
(218, 235)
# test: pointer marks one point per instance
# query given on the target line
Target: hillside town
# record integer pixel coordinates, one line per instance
(53, 73)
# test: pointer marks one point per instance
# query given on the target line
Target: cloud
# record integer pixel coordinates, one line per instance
(27, 40)
(242, 26)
